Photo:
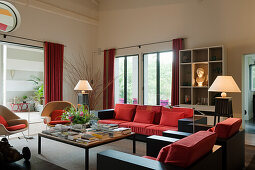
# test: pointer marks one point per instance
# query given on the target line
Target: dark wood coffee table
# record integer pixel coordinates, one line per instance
(34, 163)
(86, 146)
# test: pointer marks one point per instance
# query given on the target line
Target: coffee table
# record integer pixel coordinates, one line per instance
(86, 146)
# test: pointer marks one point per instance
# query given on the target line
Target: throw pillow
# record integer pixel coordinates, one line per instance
(125, 114)
(144, 116)
(56, 115)
(3, 121)
(171, 118)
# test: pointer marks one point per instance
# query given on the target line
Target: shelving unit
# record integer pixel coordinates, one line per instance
(212, 60)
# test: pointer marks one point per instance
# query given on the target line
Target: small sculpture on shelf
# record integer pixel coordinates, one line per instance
(200, 77)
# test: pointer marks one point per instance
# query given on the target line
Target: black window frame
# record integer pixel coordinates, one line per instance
(157, 74)
(125, 76)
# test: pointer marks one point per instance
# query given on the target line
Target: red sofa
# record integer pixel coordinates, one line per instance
(145, 119)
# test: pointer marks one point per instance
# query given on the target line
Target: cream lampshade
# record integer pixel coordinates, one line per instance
(82, 86)
(224, 84)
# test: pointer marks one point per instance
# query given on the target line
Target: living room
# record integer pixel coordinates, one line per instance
(86, 28)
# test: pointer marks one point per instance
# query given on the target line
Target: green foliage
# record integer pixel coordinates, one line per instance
(39, 88)
(24, 97)
(79, 116)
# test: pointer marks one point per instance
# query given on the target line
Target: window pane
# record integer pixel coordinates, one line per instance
(150, 83)
(119, 80)
(165, 77)
(132, 79)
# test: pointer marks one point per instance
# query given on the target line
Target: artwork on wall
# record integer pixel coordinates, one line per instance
(9, 17)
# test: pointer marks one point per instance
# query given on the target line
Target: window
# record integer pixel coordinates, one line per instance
(157, 78)
(126, 79)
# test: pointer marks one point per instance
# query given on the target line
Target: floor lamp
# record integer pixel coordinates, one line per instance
(83, 97)
(223, 104)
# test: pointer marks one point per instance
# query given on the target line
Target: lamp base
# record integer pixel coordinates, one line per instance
(83, 99)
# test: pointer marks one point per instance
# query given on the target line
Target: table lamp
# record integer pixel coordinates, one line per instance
(83, 97)
(224, 84)
(223, 104)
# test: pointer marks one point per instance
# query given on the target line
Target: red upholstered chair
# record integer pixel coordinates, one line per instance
(53, 111)
(10, 123)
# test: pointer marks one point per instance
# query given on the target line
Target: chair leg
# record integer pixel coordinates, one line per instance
(24, 136)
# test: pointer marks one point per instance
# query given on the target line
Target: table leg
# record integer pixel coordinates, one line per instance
(134, 144)
(39, 144)
(86, 159)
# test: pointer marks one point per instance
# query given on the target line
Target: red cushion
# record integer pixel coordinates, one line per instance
(125, 114)
(16, 127)
(111, 121)
(186, 151)
(163, 153)
(144, 116)
(188, 112)
(139, 128)
(149, 157)
(158, 129)
(59, 122)
(228, 127)
(56, 115)
(171, 118)
(3, 121)
(123, 106)
(156, 109)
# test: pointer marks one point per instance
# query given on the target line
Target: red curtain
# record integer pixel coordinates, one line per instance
(53, 68)
(108, 95)
(177, 46)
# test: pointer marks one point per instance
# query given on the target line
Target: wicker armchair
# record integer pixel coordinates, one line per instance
(51, 107)
(14, 123)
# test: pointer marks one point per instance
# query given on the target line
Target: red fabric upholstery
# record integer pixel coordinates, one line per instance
(144, 116)
(124, 106)
(156, 109)
(188, 112)
(163, 153)
(111, 121)
(59, 122)
(171, 118)
(125, 114)
(3, 121)
(56, 115)
(139, 128)
(189, 149)
(16, 127)
(158, 129)
(149, 157)
(228, 127)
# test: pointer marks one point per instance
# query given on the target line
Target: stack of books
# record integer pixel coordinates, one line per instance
(100, 135)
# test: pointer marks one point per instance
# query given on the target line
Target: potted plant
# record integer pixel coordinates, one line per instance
(79, 117)
(24, 99)
(39, 93)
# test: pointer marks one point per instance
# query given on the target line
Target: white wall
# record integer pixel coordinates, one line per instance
(202, 22)
(46, 22)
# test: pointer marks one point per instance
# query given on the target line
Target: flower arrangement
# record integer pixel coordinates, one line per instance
(80, 115)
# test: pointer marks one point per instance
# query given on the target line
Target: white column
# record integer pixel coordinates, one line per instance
(4, 73)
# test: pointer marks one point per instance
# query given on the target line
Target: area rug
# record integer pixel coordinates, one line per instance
(73, 158)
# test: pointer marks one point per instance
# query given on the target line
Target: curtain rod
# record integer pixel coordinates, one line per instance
(139, 46)
(24, 38)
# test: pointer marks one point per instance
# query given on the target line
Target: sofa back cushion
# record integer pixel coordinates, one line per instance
(56, 115)
(228, 127)
(3, 121)
(188, 150)
(156, 109)
(144, 116)
(188, 112)
(171, 118)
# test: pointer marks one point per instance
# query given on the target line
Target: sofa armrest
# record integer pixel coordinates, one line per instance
(155, 143)
(175, 134)
(105, 114)
(183, 124)
(116, 160)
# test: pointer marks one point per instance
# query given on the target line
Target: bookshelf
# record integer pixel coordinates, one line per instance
(211, 60)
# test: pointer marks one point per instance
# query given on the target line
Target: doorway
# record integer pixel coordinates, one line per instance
(249, 93)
